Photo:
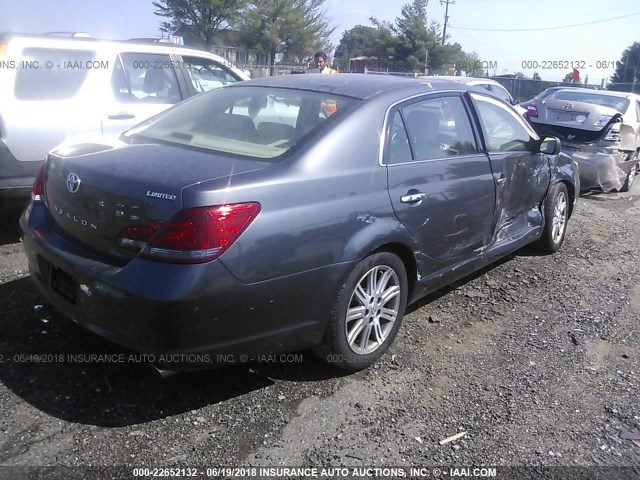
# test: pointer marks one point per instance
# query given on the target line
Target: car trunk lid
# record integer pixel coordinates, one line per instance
(95, 192)
(567, 113)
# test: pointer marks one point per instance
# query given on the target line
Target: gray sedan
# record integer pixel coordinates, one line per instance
(289, 213)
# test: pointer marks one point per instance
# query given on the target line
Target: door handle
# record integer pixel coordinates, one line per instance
(121, 116)
(501, 181)
(413, 197)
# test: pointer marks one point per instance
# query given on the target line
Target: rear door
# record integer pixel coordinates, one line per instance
(142, 85)
(440, 183)
(521, 173)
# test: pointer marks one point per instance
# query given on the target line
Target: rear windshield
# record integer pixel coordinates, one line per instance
(618, 103)
(545, 93)
(260, 122)
(51, 73)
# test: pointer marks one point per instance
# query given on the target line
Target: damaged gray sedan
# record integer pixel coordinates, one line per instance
(600, 130)
(290, 212)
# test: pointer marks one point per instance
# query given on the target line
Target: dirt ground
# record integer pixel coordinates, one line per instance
(537, 359)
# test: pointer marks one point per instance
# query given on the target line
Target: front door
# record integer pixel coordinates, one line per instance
(521, 172)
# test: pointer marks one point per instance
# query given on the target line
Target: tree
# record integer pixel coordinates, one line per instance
(414, 35)
(201, 17)
(294, 28)
(536, 76)
(627, 71)
(409, 42)
(377, 41)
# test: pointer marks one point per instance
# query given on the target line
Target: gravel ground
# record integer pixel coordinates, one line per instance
(536, 359)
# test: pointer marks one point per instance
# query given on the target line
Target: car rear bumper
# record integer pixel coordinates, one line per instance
(603, 170)
(188, 316)
(16, 177)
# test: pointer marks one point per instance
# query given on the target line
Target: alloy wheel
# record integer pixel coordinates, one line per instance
(373, 309)
(559, 221)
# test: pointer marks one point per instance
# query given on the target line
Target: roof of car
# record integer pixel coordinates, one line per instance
(82, 38)
(356, 85)
(610, 93)
(458, 79)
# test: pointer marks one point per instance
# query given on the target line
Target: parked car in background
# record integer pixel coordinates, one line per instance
(548, 91)
(599, 129)
(541, 96)
(252, 219)
(488, 84)
(56, 89)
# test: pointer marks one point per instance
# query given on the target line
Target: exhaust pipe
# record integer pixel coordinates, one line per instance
(162, 372)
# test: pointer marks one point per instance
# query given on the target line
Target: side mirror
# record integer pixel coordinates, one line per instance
(550, 145)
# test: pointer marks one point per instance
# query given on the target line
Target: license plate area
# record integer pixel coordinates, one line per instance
(63, 284)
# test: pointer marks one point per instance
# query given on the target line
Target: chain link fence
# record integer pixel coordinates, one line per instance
(521, 89)
(524, 89)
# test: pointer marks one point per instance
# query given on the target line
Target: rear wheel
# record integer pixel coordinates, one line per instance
(367, 314)
(629, 180)
(556, 214)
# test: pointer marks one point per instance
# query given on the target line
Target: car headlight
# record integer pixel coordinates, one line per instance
(602, 121)
(613, 135)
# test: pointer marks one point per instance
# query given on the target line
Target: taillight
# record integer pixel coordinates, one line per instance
(603, 121)
(532, 111)
(196, 235)
(613, 135)
(37, 192)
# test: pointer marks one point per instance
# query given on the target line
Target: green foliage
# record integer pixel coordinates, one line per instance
(202, 18)
(377, 41)
(414, 34)
(405, 45)
(294, 28)
(627, 69)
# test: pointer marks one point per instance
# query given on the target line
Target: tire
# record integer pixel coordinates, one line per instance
(556, 214)
(629, 180)
(358, 342)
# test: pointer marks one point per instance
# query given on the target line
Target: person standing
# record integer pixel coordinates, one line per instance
(321, 61)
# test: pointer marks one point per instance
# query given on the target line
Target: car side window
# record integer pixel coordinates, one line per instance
(145, 78)
(206, 74)
(439, 128)
(501, 93)
(399, 149)
(61, 79)
(502, 130)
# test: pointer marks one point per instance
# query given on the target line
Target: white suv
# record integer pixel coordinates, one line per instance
(53, 90)
(492, 86)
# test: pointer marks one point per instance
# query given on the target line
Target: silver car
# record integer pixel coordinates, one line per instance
(599, 129)
(57, 90)
(493, 87)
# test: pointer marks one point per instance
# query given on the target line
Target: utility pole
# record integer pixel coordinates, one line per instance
(426, 58)
(446, 18)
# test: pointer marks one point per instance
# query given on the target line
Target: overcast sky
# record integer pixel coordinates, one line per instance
(593, 45)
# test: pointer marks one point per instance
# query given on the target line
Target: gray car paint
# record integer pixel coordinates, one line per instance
(324, 208)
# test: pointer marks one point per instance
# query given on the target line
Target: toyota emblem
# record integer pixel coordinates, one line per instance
(73, 182)
(567, 106)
